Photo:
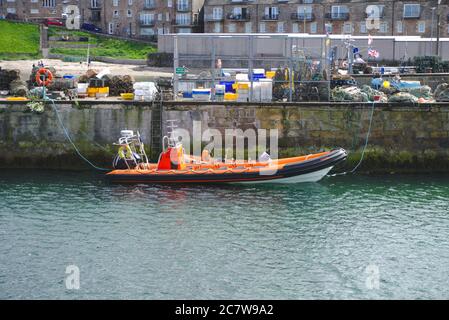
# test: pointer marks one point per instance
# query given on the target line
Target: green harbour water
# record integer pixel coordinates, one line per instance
(305, 241)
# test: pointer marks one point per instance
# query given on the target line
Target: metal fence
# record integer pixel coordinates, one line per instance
(298, 72)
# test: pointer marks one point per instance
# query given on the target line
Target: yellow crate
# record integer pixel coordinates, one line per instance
(270, 74)
(230, 96)
(103, 90)
(92, 92)
(127, 96)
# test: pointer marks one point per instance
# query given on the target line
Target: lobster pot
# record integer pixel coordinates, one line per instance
(201, 94)
(144, 91)
(60, 84)
(8, 76)
(266, 90)
(19, 88)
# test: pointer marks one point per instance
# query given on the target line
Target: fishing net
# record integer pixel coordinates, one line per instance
(403, 97)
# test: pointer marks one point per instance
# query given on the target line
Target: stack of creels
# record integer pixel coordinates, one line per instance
(19, 88)
(8, 76)
(121, 84)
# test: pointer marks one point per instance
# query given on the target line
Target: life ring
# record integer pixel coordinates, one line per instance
(48, 76)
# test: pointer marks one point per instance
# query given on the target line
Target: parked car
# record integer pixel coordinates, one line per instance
(12, 16)
(91, 27)
(53, 22)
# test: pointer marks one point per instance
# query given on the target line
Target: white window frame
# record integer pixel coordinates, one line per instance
(409, 9)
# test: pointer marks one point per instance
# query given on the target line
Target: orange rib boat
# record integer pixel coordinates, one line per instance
(175, 167)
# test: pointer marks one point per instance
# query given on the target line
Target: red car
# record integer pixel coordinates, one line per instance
(53, 22)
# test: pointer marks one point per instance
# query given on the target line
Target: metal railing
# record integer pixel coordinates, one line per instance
(298, 16)
(341, 16)
(270, 17)
(211, 17)
(147, 23)
(238, 17)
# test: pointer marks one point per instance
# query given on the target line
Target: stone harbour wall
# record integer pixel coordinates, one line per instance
(404, 138)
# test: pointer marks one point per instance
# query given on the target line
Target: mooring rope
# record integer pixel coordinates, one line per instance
(70, 139)
(368, 134)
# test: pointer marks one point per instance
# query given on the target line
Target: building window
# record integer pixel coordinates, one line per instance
(217, 27)
(129, 13)
(94, 4)
(399, 27)
(146, 32)
(412, 10)
(313, 27)
(183, 19)
(111, 28)
(383, 28)
(304, 13)
(248, 27)
(363, 28)
(280, 27)
(295, 28)
(339, 12)
(116, 13)
(347, 28)
(49, 3)
(262, 27)
(146, 18)
(271, 13)
(421, 27)
(184, 30)
(115, 3)
(183, 5)
(231, 27)
(217, 13)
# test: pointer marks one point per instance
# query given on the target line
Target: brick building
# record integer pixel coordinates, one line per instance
(318, 16)
(144, 18)
(133, 18)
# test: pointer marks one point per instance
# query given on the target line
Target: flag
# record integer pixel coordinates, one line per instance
(373, 53)
(370, 40)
